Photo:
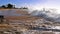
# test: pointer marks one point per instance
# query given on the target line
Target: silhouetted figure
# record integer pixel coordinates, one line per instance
(24, 8)
(1, 18)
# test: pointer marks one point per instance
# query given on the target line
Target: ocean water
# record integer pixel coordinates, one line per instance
(9, 13)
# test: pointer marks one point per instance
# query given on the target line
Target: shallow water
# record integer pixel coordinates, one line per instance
(9, 13)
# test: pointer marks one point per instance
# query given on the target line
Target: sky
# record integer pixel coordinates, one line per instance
(34, 4)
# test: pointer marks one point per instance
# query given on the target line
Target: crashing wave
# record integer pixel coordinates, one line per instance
(50, 15)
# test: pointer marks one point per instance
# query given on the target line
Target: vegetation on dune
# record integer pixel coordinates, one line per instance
(3, 6)
(7, 6)
(11, 6)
